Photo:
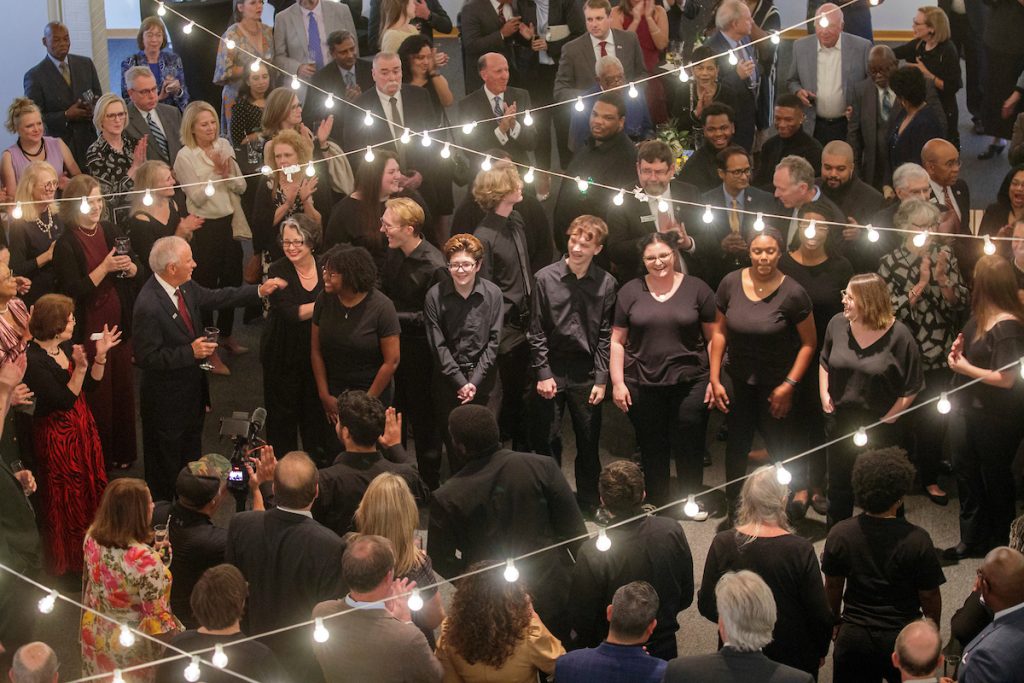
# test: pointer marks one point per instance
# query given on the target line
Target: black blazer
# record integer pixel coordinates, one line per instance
(560, 12)
(746, 111)
(46, 87)
(480, 33)
(329, 78)
(476, 107)
(967, 251)
(73, 279)
(715, 263)
(631, 221)
(701, 169)
(729, 665)
(417, 115)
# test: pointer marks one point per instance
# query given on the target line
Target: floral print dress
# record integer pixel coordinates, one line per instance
(132, 586)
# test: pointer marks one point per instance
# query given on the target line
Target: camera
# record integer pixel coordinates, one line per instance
(243, 430)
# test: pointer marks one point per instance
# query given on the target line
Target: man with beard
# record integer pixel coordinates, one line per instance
(607, 158)
(701, 169)
(858, 201)
(792, 139)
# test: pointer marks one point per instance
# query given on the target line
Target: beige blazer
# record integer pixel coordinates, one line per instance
(538, 650)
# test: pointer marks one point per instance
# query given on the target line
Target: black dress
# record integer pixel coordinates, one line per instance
(343, 226)
(944, 63)
(29, 239)
(145, 233)
(906, 146)
(268, 197)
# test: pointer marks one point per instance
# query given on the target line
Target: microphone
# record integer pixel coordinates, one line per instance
(259, 416)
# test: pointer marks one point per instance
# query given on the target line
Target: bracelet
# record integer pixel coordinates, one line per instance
(96, 362)
(790, 382)
(433, 75)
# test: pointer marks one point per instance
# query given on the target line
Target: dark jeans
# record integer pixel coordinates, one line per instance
(218, 259)
(983, 450)
(864, 655)
(825, 131)
(546, 426)
(670, 423)
(842, 456)
(927, 427)
(411, 379)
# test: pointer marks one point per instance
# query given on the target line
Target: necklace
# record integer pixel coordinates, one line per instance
(87, 233)
(307, 277)
(54, 353)
(41, 150)
(48, 226)
(3, 311)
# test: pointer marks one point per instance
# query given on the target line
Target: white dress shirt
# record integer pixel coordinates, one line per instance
(882, 92)
(504, 11)
(541, 29)
(940, 193)
(385, 102)
(609, 47)
(830, 102)
(498, 133)
(169, 289)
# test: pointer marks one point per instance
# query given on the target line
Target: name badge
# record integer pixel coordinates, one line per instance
(647, 219)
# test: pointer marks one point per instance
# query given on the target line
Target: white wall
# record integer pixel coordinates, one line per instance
(891, 15)
(122, 14)
(22, 49)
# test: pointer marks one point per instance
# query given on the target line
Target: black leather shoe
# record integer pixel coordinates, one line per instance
(991, 153)
(942, 500)
(960, 552)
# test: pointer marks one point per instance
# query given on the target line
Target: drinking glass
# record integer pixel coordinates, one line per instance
(161, 542)
(122, 247)
(211, 336)
(18, 466)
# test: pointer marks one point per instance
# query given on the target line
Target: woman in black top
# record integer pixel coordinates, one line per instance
(934, 54)
(985, 429)
(819, 268)
(289, 391)
(659, 366)
(769, 331)
(32, 237)
(1008, 208)
(701, 90)
(161, 218)
(870, 370)
(916, 123)
(247, 129)
(764, 543)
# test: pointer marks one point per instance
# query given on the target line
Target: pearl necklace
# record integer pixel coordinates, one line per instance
(48, 226)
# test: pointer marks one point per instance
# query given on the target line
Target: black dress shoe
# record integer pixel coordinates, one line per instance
(942, 500)
(991, 153)
(960, 552)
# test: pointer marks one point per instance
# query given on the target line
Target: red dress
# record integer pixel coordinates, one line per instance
(654, 89)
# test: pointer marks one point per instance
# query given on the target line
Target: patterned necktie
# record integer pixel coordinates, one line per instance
(183, 312)
(158, 136)
(315, 51)
(951, 207)
(498, 109)
(886, 104)
(350, 79)
(604, 47)
(734, 217)
(65, 72)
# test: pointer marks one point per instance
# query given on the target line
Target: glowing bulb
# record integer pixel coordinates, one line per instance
(691, 509)
(320, 632)
(255, 66)
(295, 83)
(633, 92)
(823, 22)
(579, 104)
(406, 136)
(310, 171)
(920, 238)
(329, 101)
(733, 59)
(486, 164)
(17, 212)
(775, 38)
(511, 573)
(619, 198)
(873, 3)
(219, 659)
(943, 406)
(161, 10)
(467, 128)
(84, 206)
(527, 118)
(188, 28)
(708, 216)
(47, 604)
(446, 151)
(126, 637)
(266, 170)
(759, 223)
(603, 542)
(662, 206)
(208, 190)
(147, 199)
(873, 235)
(230, 44)
(1022, 367)
(811, 230)
(425, 139)
(368, 119)
(118, 677)
(860, 437)
(192, 670)
(782, 475)
(369, 153)
(683, 76)
(989, 247)
(581, 184)
(415, 601)
(528, 178)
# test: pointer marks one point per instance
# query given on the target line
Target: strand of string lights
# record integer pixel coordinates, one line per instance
(603, 542)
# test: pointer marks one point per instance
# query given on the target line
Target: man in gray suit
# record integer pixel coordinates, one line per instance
(825, 68)
(300, 35)
(995, 654)
(579, 56)
(377, 641)
(147, 116)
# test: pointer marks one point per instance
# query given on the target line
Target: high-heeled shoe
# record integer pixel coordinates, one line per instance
(991, 153)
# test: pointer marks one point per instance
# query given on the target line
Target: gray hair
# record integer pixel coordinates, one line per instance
(728, 12)
(915, 212)
(918, 659)
(763, 499)
(102, 104)
(907, 172)
(634, 607)
(746, 607)
(135, 73)
(165, 251)
(605, 62)
(800, 170)
(305, 226)
(34, 663)
(381, 56)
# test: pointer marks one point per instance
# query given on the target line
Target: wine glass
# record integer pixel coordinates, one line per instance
(211, 337)
(161, 542)
(122, 247)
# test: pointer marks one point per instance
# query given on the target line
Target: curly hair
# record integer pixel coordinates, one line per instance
(488, 617)
(881, 477)
(355, 266)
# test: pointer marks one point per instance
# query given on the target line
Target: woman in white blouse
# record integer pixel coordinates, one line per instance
(201, 166)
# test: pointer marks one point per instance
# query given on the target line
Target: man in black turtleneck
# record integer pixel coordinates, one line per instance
(791, 140)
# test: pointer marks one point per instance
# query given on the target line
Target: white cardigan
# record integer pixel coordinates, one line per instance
(193, 166)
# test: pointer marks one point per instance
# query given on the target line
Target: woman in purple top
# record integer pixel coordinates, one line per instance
(26, 121)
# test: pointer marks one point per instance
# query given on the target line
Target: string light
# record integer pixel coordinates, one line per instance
(329, 101)
(425, 139)
(528, 178)
(873, 235)
(266, 170)
(406, 136)
(446, 151)
(187, 29)
(775, 38)
(118, 677)
(943, 405)
(229, 44)
(320, 632)
(192, 672)
(295, 83)
(310, 171)
(759, 222)
(160, 9)
(782, 475)
(691, 509)
(733, 59)
(511, 573)
(126, 637)
(468, 128)
(84, 206)
(368, 119)
(708, 216)
(873, 3)
(860, 438)
(619, 198)
(811, 230)
(528, 118)
(220, 658)
(208, 190)
(581, 184)
(147, 199)
(1022, 367)
(603, 542)
(369, 153)
(17, 212)
(415, 601)
(47, 604)
(989, 247)
(920, 238)
(486, 163)
(633, 92)
(663, 206)
(823, 22)
(683, 76)
(255, 66)
(579, 104)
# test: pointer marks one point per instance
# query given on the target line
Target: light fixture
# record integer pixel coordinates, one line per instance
(633, 92)
(579, 104)
(775, 38)
(229, 44)
(603, 542)
(621, 197)
(84, 206)
(920, 238)
(511, 573)
(369, 153)
(581, 184)
(425, 139)
(368, 119)
(811, 230)
(192, 672)
(17, 213)
(255, 66)
(873, 235)
(1022, 367)
(662, 206)
(733, 59)
(118, 677)
(219, 659)
(527, 118)
(683, 76)
(406, 136)
(486, 163)
(187, 29)
(467, 128)
(47, 604)
(528, 178)
(823, 22)
(147, 199)
(943, 405)
(860, 437)
(266, 170)
(208, 190)
(125, 636)
(160, 9)
(989, 247)
(708, 216)
(691, 509)
(320, 632)
(759, 222)
(782, 475)
(415, 601)
(295, 83)
(310, 171)
(446, 151)
(329, 101)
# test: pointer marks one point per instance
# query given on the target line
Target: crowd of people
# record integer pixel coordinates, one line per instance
(808, 271)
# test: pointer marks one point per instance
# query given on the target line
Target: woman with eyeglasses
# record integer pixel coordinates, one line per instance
(155, 55)
(869, 370)
(115, 156)
(930, 298)
(289, 390)
(661, 331)
(33, 236)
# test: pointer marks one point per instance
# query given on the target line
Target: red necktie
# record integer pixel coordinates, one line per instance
(604, 48)
(183, 311)
(952, 209)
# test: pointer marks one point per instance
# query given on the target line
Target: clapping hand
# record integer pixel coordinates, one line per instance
(111, 338)
(526, 31)
(398, 603)
(323, 131)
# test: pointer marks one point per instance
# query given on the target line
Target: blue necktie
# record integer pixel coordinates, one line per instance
(498, 109)
(315, 52)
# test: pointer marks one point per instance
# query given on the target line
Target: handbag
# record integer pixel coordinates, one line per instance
(239, 224)
(339, 170)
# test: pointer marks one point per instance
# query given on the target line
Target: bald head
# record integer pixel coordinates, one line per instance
(836, 164)
(1001, 578)
(942, 161)
(295, 481)
(830, 15)
(918, 649)
(34, 663)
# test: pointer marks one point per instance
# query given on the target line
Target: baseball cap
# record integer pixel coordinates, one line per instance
(200, 480)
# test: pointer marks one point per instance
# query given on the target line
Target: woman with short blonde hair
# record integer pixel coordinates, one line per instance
(161, 218)
(25, 120)
(32, 237)
(932, 51)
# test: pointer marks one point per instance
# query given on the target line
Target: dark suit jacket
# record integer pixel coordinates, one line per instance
(701, 169)
(46, 87)
(576, 65)
(417, 115)
(170, 119)
(609, 663)
(729, 665)
(715, 263)
(861, 202)
(329, 78)
(995, 654)
(560, 12)
(480, 31)
(746, 112)
(631, 221)
(967, 251)
(291, 563)
(476, 107)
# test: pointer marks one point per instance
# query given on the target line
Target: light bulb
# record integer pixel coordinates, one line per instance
(310, 171)
(255, 66)
(329, 101)
(683, 76)
(662, 206)
(160, 9)
(295, 83)
(192, 670)
(406, 137)
(266, 170)
(229, 44)
(320, 632)
(17, 212)
(486, 163)
(47, 604)
(147, 199)
(187, 29)
(84, 206)
(691, 509)
(126, 637)
(920, 238)
(860, 437)
(775, 38)
(708, 216)
(581, 184)
(579, 104)
(1022, 367)
(989, 247)
(467, 128)
(208, 190)
(511, 573)
(811, 230)
(369, 153)
(633, 92)
(943, 405)
(446, 151)
(782, 475)
(415, 601)
(823, 22)
(528, 178)
(527, 118)
(872, 234)
(118, 677)
(425, 139)
(368, 119)
(733, 59)
(219, 659)
(873, 3)
(603, 542)
(619, 198)
(759, 223)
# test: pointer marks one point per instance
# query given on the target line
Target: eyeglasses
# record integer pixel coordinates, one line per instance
(116, 115)
(50, 185)
(739, 172)
(462, 267)
(146, 91)
(287, 244)
(658, 257)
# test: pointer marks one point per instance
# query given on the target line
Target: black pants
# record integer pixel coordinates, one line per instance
(412, 385)
(541, 87)
(172, 436)
(968, 44)
(842, 456)
(293, 411)
(445, 401)
(514, 369)
(983, 450)
(748, 413)
(546, 425)
(670, 423)
(864, 655)
(218, 259)
(811, 431)
(825, 131)
(927, 432)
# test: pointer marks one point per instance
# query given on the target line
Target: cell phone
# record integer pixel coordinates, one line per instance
(95, 336)
(236, 475)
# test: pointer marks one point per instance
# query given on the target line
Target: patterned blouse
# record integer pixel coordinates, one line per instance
(167, 64)
(110, 167)
(247, 118)
(933, 320)
(232, 64)
(133, 586)
(12, 345)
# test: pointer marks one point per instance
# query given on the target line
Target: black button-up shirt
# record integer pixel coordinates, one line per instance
(506, 261)
(571, 324)
(406, 279)
(464, 332)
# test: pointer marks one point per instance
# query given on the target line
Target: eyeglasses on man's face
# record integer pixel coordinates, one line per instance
(462, 266)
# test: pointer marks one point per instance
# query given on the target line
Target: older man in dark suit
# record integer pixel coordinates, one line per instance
(345, 75)
(65, 86)
(492, 26)
(941, 159)
(147, 116)
(493, 99)
(576, 70)
(174, 393)
(734, 24)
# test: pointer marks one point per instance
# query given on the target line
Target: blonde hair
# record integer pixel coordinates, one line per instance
(189, 117)
(24, 193)
(303, 149)
(100, 110)
(490, 187)
(276, 109)
(937, 21)
(145, 179)
(19, 107)
(407, 211)
(874, 302)
(389, 510)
